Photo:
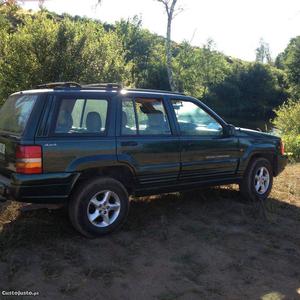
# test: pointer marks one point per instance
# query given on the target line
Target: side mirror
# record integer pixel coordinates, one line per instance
(229, 130)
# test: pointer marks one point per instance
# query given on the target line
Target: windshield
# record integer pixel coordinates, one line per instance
(15, 112)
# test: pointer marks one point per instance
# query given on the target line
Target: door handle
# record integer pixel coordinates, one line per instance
(129, 143)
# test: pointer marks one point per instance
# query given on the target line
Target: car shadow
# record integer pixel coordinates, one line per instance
(36, 223)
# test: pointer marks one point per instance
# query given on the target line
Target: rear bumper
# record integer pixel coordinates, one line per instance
(281, 163)
(4, 184)
(39, 188)
(2, 192)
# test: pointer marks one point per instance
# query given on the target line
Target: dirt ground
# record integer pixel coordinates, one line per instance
(207, 244)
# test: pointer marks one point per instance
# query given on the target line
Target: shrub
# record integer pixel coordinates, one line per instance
(287, 122)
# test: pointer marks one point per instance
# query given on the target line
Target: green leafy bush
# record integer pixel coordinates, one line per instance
(287, 121)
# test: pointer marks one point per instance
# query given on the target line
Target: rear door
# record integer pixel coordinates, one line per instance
(206, 153)
(79, 134)
(147, 140)
(14, 117)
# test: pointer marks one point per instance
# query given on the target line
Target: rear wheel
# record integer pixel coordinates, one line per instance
(99, 207)
(258, 180)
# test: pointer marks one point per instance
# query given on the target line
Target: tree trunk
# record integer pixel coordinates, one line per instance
(169, 55)
(170, 9)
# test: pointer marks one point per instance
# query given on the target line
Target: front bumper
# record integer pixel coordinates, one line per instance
(37, 188)
(281, 163)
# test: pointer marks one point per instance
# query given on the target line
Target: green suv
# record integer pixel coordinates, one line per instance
(92, 146)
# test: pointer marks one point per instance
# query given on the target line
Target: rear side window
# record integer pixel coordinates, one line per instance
(15, 113)
(84, 116)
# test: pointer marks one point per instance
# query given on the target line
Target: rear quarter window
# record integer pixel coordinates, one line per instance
(15, 113)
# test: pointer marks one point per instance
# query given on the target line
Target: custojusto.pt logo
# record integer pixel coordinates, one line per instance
(19, 293)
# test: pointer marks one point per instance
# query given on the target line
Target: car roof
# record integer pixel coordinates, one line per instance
(121, 92)
(110, 88)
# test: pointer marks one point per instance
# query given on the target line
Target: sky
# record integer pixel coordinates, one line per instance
(236, 26)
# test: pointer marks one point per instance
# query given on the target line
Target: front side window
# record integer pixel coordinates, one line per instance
(193, 120)
(81, 116)
(144, 116)
(128, 118)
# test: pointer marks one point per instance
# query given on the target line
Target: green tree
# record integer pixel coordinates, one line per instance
(250, 90)
(263, 54)
(187, 75)
(45, 49)
(198, 69)
(27, 55)
(137, 46)
(213, 66)
(291, 63)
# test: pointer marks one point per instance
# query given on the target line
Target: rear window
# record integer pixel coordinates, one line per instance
(15, 113)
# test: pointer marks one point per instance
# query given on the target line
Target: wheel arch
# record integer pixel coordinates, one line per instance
(270, 156)
(123, 173)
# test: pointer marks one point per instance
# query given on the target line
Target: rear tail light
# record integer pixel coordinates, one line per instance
(281, 147)
(29, 159)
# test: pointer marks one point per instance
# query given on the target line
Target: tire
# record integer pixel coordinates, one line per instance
(98, 207)
(255, 187)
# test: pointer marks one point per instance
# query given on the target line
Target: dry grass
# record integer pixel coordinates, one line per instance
(207, 244)
(287, 185)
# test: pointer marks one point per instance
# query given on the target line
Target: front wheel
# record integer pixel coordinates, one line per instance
(258, 180)
(98, 207)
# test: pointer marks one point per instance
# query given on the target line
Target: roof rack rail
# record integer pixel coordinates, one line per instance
(101, 86)
(64, 84)
(154, 90)
(109, 86)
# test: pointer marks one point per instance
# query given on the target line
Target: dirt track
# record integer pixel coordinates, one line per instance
(201, 245)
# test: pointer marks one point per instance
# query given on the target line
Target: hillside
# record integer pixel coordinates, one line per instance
(45, 47)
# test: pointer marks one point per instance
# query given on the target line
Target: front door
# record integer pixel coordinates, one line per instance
(206, 152)
(146, 141)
